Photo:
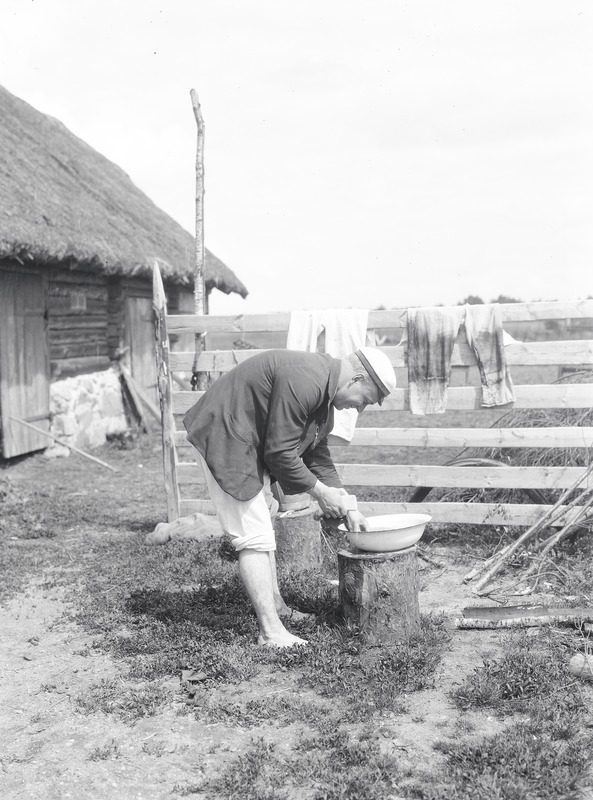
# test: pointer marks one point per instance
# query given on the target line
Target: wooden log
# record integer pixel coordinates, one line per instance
(379, 595)
(522, 616)
(298, 541)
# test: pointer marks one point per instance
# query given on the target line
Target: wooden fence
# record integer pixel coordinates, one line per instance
(183, 477)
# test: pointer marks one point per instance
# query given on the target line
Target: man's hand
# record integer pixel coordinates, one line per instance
(356, 522)
(332, 502)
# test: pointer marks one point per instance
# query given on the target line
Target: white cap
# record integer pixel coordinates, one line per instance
(379, 368)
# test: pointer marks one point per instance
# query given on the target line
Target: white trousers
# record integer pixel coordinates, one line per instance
(247, 522)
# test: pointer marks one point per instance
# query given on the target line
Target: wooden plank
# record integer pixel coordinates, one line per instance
(88, 348)
(441, 513)
(464, 398)
(392, 318)
(473, 437)
(572, 352)
(456, 437)
(435, 476)
(139, 339)
(164, 390)
(456, 477)
(469, 513)
(24, 362)
(61, 367)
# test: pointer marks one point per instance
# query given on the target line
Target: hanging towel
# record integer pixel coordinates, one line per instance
(483, 325)
(345, 332)
(304, 329)
(431, 334)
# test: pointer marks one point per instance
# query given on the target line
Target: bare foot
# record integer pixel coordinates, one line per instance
(285, 639)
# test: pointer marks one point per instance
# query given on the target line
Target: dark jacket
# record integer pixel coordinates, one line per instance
(271, 412)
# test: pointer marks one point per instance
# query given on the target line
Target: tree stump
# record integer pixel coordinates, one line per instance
(379, 595)
(298, 541)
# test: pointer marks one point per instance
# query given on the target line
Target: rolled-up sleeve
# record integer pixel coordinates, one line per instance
(296, 395)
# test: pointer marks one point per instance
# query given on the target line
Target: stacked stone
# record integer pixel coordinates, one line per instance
(86, 409)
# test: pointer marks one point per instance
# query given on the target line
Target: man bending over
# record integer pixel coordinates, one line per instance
(268, 420)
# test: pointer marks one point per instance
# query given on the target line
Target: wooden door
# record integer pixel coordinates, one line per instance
(24, 362)
(140, 339)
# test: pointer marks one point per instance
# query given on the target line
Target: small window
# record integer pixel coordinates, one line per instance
(78, 301)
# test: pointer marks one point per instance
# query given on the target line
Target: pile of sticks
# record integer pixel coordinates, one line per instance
(573, 509)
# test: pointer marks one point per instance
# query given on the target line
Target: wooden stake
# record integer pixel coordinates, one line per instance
(200, 250)
(159, 304)
(65, 444)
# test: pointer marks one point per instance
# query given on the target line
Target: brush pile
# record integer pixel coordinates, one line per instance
(571, 510)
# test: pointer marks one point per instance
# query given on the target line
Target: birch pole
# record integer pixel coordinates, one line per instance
(199, 379)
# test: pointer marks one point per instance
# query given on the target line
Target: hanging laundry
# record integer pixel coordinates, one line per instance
(431, 335)
(345, 332)
(483, 326)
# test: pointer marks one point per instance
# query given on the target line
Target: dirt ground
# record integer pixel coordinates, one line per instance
(50, 750)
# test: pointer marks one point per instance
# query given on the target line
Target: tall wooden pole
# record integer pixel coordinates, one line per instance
(199, 381)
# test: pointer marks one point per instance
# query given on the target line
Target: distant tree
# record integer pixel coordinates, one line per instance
(471, 300)
(503, 298)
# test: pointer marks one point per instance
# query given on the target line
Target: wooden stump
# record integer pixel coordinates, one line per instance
(298, 541)
(379, 595)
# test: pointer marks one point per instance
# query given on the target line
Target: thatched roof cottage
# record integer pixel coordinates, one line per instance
(78, 241)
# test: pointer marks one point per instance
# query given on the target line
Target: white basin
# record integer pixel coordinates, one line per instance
(388, 532)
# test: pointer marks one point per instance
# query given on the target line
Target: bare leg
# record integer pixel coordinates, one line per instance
(281, 607)
(256, 574)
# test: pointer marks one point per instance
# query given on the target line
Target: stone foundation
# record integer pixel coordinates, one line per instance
(87, 408)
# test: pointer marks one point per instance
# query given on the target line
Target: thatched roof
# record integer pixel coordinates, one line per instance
(61, 201)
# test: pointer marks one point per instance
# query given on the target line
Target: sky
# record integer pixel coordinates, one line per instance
(357, 154)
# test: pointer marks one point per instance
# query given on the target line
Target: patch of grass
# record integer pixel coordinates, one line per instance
(108, 751)
(544, 755)
(187, 789)
(530, 668)
(130, 703)
(335, 766)
(527, 761)
(156, 749)
(269, 709)
(367, 682)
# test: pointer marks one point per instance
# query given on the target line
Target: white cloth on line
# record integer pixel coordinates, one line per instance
(345, 332)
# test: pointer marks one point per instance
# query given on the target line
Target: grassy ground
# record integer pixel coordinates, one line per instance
(100, 627)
